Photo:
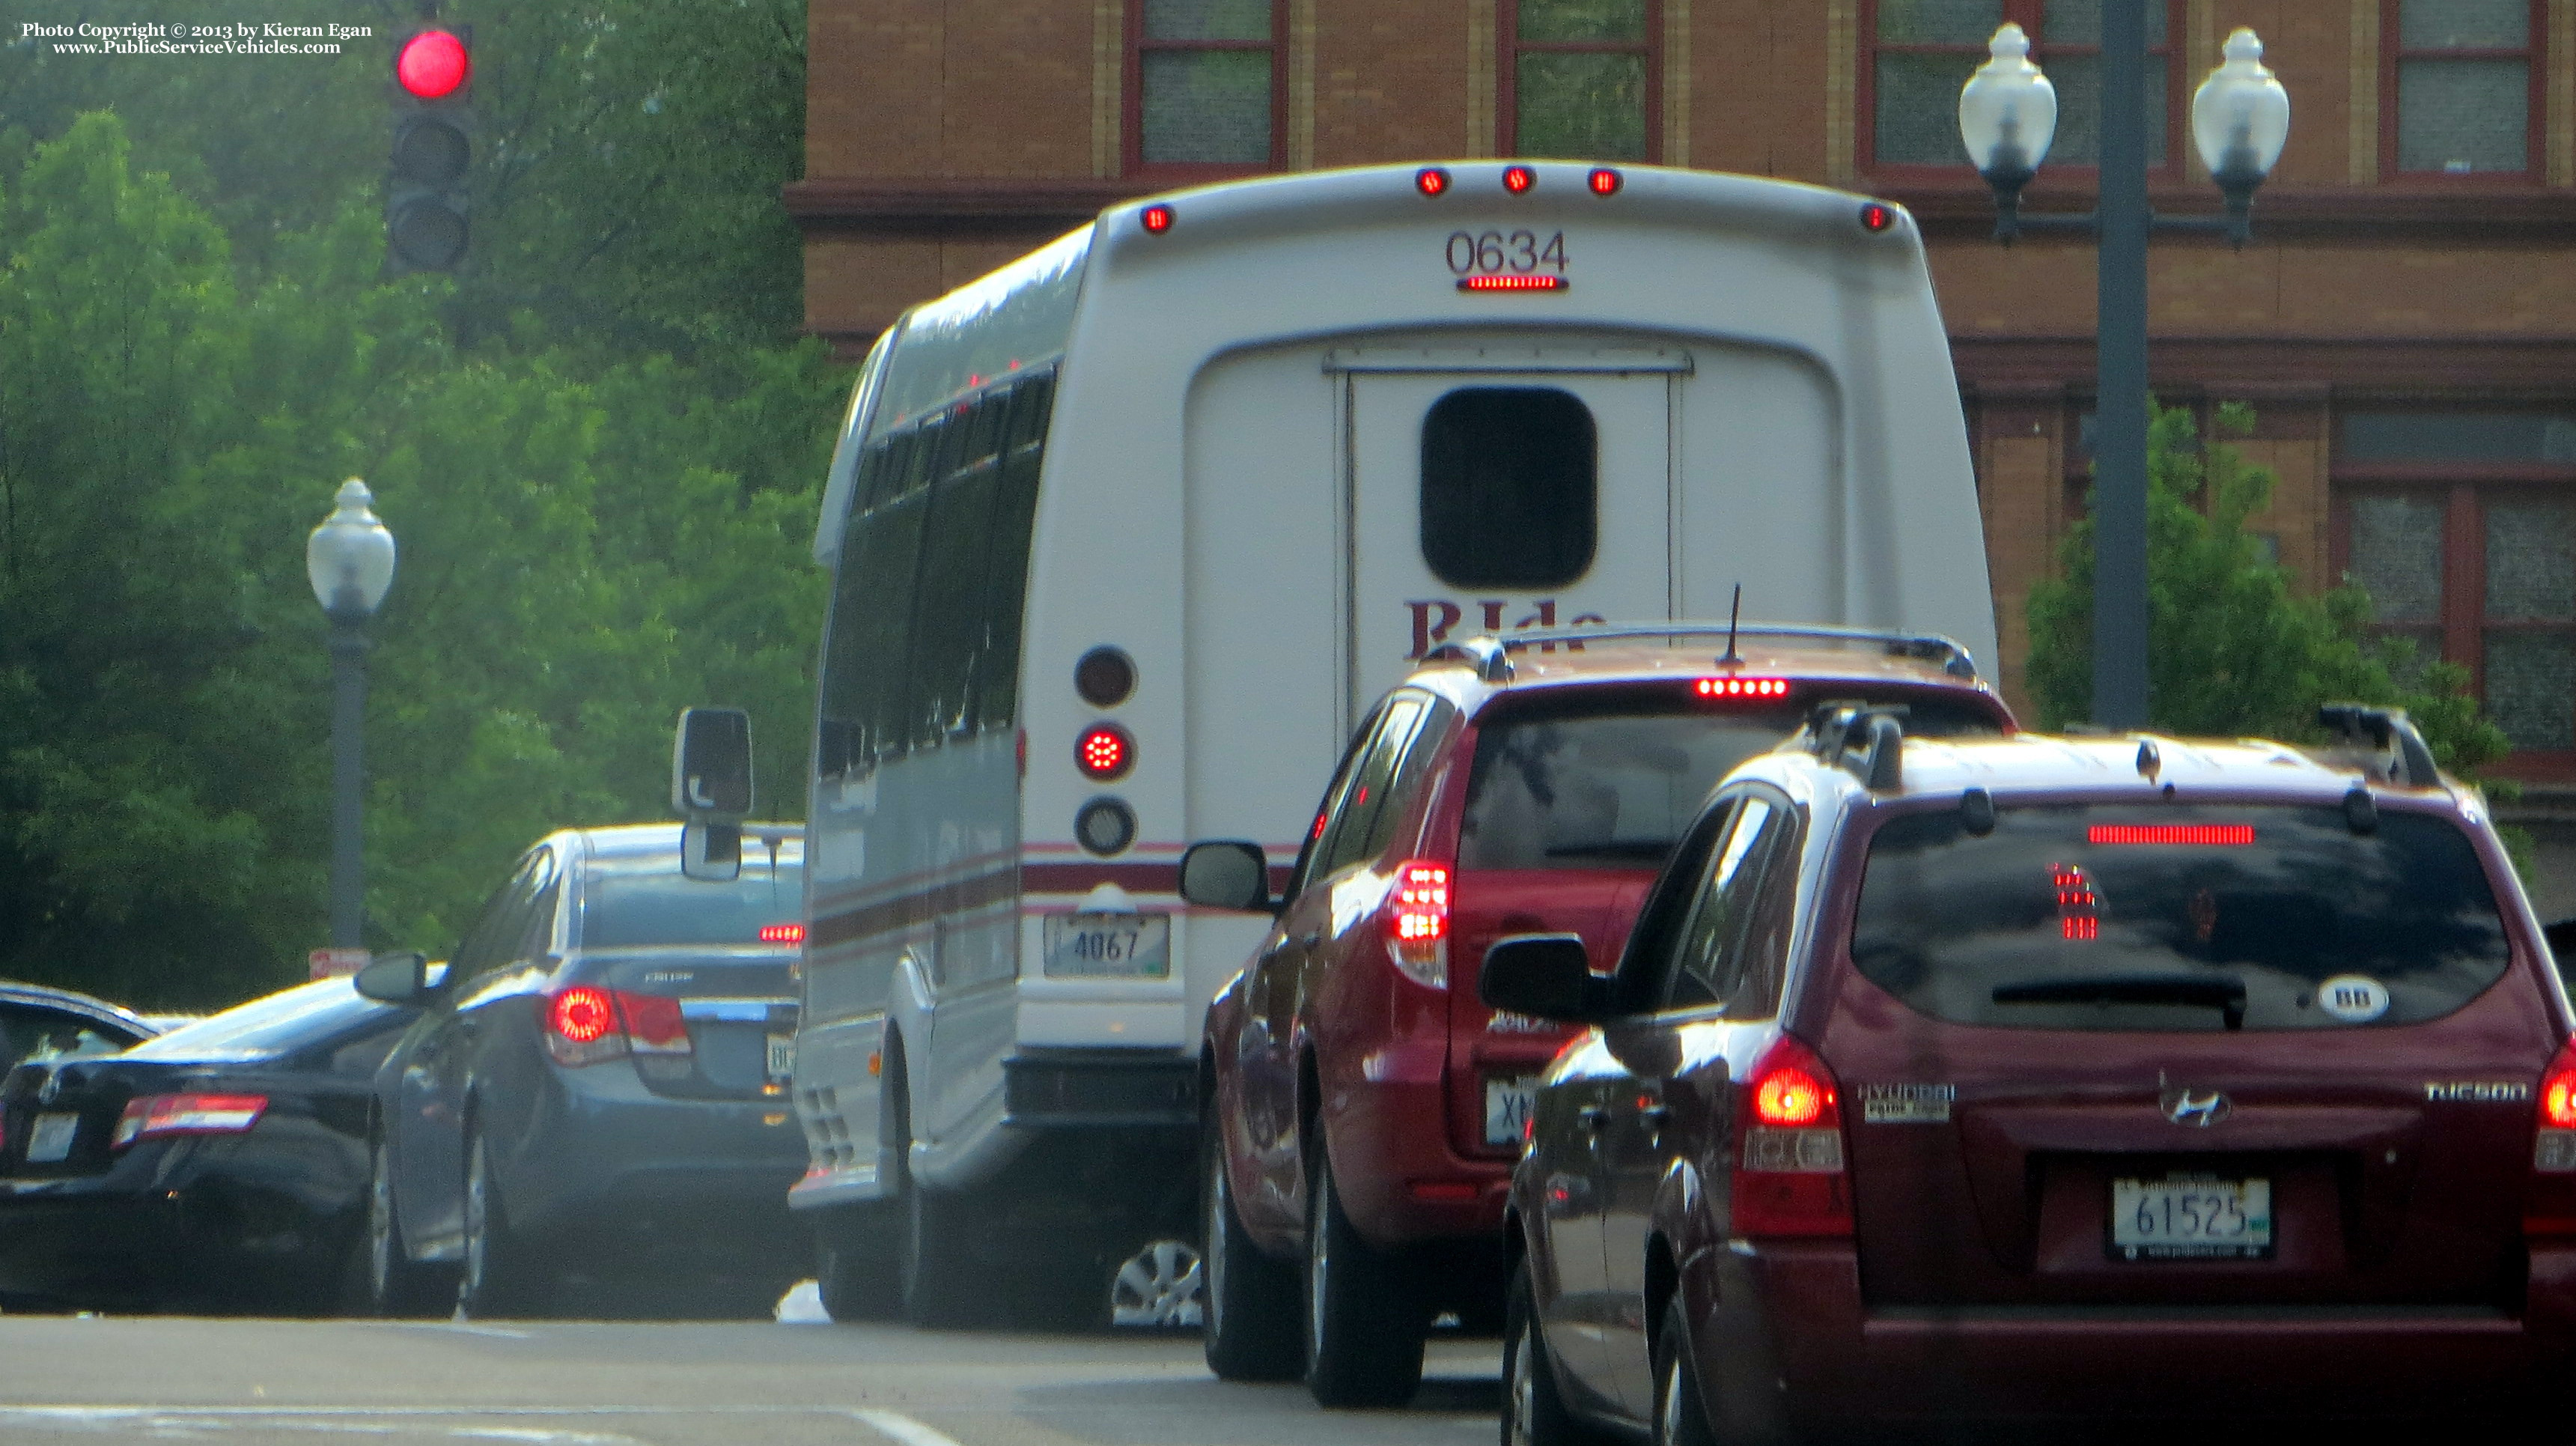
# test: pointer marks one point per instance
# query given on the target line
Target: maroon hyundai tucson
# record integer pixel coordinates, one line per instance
(2046, 1079)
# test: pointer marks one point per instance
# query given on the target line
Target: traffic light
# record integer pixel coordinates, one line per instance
(433, 146)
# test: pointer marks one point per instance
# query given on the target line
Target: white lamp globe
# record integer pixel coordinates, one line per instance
(2008, 107)
(350, 557)
(2241, 114)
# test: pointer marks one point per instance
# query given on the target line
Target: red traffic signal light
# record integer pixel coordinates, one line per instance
(433, 65)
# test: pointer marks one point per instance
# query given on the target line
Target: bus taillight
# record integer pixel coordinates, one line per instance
(1431, 180)
(1517, 179)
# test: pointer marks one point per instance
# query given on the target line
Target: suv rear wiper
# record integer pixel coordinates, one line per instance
(2225, 995)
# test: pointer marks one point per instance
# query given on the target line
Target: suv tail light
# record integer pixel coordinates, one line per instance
(1417, 922)
(2550, 1207)
(148, 1116)
(586, 1024)
(1789, 1176)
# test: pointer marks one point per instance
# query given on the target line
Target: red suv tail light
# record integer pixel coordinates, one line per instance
(586, 1024)
(2550, 1207)
(1417, 922)
(1789, 1175)
(148, 1116)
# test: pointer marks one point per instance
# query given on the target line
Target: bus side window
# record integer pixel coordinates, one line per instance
(949, 617)
(1006, 568)
(863, 672)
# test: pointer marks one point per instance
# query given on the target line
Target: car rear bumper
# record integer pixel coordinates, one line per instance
(605, 1157)
(1400, 1178)
(1797, 1310)
(183, 1231)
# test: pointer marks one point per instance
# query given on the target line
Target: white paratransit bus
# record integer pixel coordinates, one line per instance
(1128, 534)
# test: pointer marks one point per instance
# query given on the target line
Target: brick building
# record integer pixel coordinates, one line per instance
(2404, 323)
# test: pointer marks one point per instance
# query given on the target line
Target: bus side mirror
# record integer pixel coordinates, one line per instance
(1545, 976)
(711, 852)
(711, 790)
(1227, 875)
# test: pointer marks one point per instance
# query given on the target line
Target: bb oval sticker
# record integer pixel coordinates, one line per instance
(2353, 998)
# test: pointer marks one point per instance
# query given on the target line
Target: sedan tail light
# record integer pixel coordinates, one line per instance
(586, 1024)
(1417, 922)
(2549, 1208)
(148, 1116)
(1790, 1179)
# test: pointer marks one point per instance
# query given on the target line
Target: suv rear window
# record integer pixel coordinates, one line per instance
(1608, 779)
(630, 907)
(2177, 918)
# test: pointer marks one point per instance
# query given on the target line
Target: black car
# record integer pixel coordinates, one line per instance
(220, 1166)
(40, 1022)
(598, 1093)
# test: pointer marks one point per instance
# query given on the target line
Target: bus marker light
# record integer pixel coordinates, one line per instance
(1157, 219)
(1104, 752)
(1517, 179)
(1512, 283)
(1431, 180)
(1877, 216)
(1604, 181)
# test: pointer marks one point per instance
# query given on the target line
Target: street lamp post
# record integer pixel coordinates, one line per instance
(2240, 120)
(350, 560)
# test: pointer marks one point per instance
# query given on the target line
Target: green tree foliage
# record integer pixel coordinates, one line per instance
(2237, 652)
(587, 546)
(626, 175)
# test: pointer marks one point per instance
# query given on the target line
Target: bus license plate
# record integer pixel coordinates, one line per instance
(782, 1056)
(2191, 1219)
(1109, 946)
(1507, 1110)
(51, 1140)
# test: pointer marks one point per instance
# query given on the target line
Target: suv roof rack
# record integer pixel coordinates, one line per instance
(1488, 653)
(2390, 747)
(1867, 738)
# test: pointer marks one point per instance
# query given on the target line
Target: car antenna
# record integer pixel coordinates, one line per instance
(1734, 611)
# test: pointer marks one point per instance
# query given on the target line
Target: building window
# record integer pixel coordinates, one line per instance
(2463, 77)
(1204, 75)
(1580, 78)
(1922, 51)
(2462, 528)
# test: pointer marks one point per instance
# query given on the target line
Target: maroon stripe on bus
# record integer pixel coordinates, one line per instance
(923, 905)
(918, 907)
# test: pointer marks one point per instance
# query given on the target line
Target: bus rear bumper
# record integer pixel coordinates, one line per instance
(1093, 1088)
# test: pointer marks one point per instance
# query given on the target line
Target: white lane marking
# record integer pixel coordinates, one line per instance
(896, 1426)
(460, 1328)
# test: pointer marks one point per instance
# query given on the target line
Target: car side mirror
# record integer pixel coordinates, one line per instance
(1227, 875)
(1545, 976)
(406, 977)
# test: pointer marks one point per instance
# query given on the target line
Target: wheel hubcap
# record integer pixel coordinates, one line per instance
(1524, 1395)
(1318, 1263)
(1158, 1287)
(478, 1245)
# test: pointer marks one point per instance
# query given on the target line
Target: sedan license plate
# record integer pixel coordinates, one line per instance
(1508, 1103)
(1109, 946)
(51, 1140)
(2191, 1218)
(782, 1056)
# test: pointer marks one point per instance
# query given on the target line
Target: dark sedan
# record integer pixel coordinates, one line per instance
(40, 1022)
(220, 1166)
(600, 1096)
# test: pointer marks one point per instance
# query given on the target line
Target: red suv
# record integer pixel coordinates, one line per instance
(2093, 1080)
(1363, 1108)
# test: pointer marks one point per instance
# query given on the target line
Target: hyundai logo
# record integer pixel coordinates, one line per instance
(2198, 1111)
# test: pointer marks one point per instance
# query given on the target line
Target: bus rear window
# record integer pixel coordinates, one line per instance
(1510, 487)
(2203, 917)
